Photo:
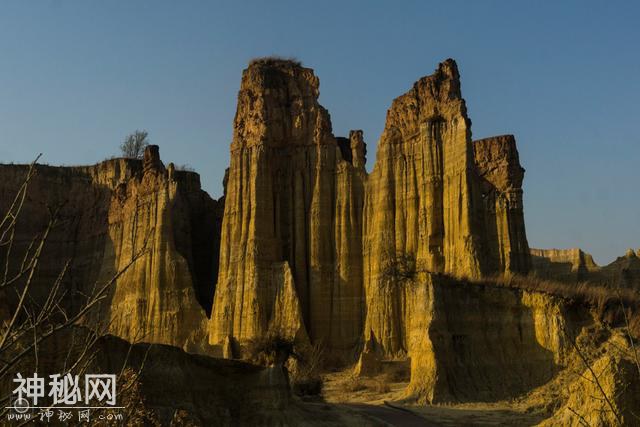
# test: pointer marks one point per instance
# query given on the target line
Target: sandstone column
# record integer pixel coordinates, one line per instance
(292, 219)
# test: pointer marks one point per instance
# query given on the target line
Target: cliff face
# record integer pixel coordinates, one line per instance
(419, 193)
(305, 244)
(309, 245)
(562, 264)
(109, 213)
(299, 199)
(505, 242)
(293, 209)
(474, 343)
(437, 203)
(155, 300)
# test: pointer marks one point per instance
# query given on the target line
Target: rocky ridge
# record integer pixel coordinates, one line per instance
(109, 215)
(575, 265)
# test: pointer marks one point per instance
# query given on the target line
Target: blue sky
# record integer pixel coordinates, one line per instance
(564, 77)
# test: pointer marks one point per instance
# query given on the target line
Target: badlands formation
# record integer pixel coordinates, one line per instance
(422, 262)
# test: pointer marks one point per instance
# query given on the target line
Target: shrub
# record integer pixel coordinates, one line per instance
(275, 60)
(305, 375)
(401, 269)
(306, 385)
(269, 350)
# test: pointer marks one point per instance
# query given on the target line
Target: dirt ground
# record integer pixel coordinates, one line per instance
(382, 397)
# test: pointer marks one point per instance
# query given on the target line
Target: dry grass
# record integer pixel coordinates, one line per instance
(381, 386)
(397, 373)
(305, 377)
(352, 384)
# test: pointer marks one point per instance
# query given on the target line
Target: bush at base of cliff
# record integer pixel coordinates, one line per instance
(306, 385)
(269, 350)
(304, 371)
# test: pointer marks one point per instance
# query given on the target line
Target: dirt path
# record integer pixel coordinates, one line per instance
(392, 416)
(367, 396)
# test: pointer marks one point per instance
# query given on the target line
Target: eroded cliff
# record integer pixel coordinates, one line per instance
(107, 216)
(575, 266)
(436, 203)
(505, 242)
(470, 342)
(293, 210)
(299, 199)
(305, 244)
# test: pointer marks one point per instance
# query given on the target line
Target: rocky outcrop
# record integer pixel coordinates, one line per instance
(505, 243)
(605, 393)
(293, 211)
(155, 299)
(210, 391)
(575, 265)
(562, 264)
(623, 272)
(418, 200)
(437, 203)
(108, 214)
(475, 343)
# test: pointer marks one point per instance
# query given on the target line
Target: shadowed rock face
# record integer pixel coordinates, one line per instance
(562, 264)
(293, 214)
(474, 343)
(108, 212)
(505, 243)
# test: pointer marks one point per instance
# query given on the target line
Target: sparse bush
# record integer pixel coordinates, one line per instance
(333, 362)
(303, 369)
(134, 144)
(269, 350)
(305, 375)
(400, 269)
(306, 385)
(275, 60)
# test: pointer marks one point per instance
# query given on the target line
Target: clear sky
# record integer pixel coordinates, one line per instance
(564, 77)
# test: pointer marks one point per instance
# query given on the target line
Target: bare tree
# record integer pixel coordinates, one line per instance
(134, 144)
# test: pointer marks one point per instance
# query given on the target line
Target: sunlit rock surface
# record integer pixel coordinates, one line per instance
(292, 218)
(110, 213)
